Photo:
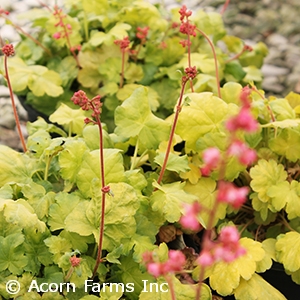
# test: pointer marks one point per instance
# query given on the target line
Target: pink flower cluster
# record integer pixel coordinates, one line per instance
(142, 33)
(66, 29)
(244, 120)
(3, 11)
(175, 263)
(124, 43)
(75, 261)
(226, 248)
(186, 27)
(189, 220)
(229, 193)
(80, 98)
(8, 50)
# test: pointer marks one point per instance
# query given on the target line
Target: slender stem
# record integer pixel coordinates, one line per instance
(178, 109)
(69, 42)
(122, 69)
(189, 59)
(171, 286)
(102, 175)
(14, 105)
(215, 59)
(27, 35)
(225, 6)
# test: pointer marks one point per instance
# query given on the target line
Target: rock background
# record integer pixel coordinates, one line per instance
(273, 22)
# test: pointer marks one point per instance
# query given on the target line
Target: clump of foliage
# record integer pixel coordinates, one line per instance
(127, 173)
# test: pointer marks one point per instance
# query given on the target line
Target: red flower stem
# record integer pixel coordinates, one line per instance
(68, 42)
(268, 106)
(27, 34)
(208, 232)
(225, 6)
(215, 59)
(235, 56)
(122, 69)
(14, 105)
(178, 109)
(102, 174)
(189, 59)
(171, 287)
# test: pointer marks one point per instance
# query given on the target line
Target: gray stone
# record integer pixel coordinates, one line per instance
(271, 84)
(270, 70)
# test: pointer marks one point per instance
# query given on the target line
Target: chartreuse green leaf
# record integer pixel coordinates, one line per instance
(38, 199)
(119, 215)
(212, 22)
(12, 253)
(111, 294)
(256, 288)
(225, 277)
(129, 272)
(205, 191)
(71, 119)
(90, 169)
(118, 32)
(57, 246)
(288, 249)
(205, 113)
(36, 250)
(286, 193)
(135, 119)
(161, 290)
(58, 211)
(266, 263)
(231, 92)
(91, 137)
(15, 167)
(287, 144)
(70, 159)
(175, 163)
(37, 78)
(264, 175)
(168, 200)
(282, 109)
(20, 212)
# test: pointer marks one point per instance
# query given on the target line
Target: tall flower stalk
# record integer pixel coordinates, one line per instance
(8, 50)
(80, 98)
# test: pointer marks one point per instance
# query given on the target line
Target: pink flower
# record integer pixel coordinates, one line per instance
(244, 154)
(244, 121)
(187, 28)
(184, 12)
(189, 219)
(142, 33)
(245, 93)
(205, 259)
(175, 263)
(56, 35)
(231, 194)
(211, 158)
(226, 248)
(124, 43)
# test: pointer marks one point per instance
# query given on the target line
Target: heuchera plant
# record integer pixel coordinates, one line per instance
(173, 140)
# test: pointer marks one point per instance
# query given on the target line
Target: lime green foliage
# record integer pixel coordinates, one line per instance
(205, 114)
(142, 124)
(225, 277)
(255, 288)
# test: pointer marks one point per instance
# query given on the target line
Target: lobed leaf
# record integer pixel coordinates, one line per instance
(135, 119)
